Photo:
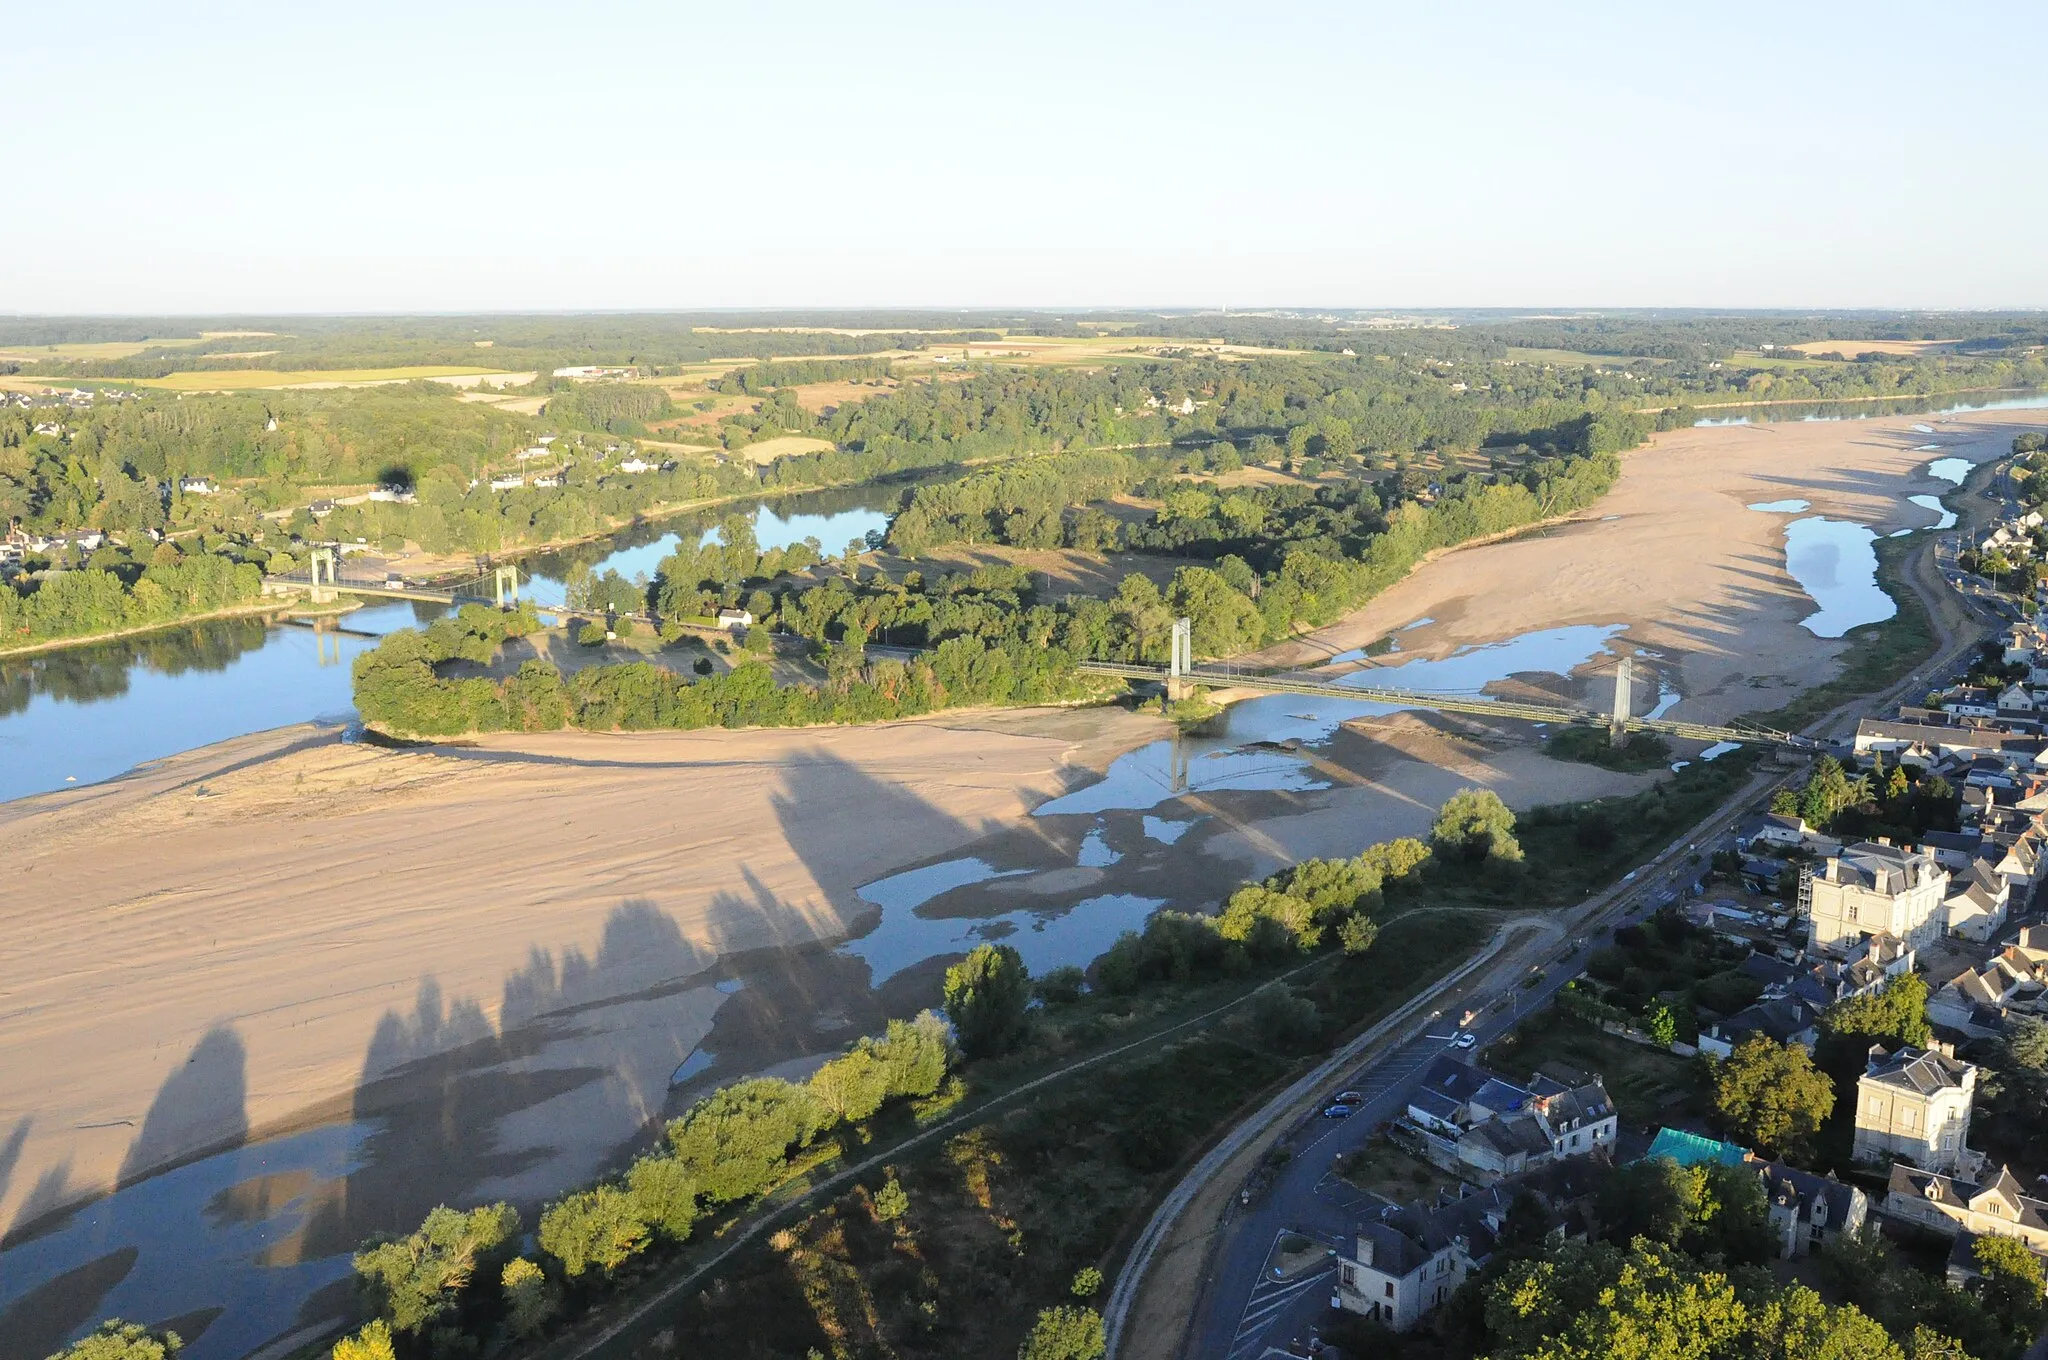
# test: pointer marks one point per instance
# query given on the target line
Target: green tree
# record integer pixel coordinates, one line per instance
(1894, 1014)
(599, 1228)
(736, 1142)
(1661, 1025)
(530, 1299)
(1473, 825)
(987, 996)
(1065, 1333)
(1087, 1283)
(1772, 1095)
(417, 1279)
(118, 1340)
(2012, 1286)
(664, 1197)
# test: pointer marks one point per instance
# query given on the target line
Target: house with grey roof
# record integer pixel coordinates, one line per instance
(1807, 1210)
(1783, 1020)
(1873, 888)
(1406, 1261)
(1951, 1205)
(1914, 1103)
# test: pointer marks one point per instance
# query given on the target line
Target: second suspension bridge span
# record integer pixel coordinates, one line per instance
(501, 587)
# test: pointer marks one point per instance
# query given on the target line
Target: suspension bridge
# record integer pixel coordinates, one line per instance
(499, 586)
(1180, 674)
(324, 578)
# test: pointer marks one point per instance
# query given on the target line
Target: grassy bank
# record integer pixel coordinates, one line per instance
(999, 1217)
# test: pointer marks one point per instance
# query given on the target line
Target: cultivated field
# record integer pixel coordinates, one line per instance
(1849, 349)
(245, 379)
(768, 450)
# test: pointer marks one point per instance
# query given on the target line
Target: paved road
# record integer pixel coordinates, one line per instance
(1242, 1311)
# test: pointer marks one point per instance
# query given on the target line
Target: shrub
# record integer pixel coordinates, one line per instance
(1065, 1333)
(891, 1200)
(1061, 985)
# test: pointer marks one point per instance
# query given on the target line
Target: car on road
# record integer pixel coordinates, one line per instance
(1465, 1039)
(1348, 1098)
(1339, 1109)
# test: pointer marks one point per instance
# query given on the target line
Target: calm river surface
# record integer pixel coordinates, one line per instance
(89, 713)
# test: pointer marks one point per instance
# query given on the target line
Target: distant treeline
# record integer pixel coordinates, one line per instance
(653, 344)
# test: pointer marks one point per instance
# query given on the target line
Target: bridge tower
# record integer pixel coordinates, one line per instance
(1182, 659)
(1624, 693)
(505, 586)
(325, 563)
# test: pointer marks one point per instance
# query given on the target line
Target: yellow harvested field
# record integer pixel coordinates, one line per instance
(768, 450)
(241, 379)
(98, 349)
(1849, 349)
(827, 396)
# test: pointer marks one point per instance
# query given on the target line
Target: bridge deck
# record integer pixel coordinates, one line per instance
(1561, 714)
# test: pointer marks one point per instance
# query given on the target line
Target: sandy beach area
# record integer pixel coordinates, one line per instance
(285, 929)
(233, 936)
(1674, 553)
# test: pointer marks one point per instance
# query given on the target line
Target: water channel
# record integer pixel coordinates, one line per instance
(88, 713)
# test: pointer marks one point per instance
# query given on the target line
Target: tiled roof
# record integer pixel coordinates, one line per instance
(1916, 1069)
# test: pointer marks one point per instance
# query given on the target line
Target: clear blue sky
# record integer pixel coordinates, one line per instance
(442, 156)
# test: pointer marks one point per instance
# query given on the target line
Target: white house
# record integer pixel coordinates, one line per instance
(197, 486)
(1873, 888)
(511, 483)
(1914, 1104)
(636, 465)
(735, 618)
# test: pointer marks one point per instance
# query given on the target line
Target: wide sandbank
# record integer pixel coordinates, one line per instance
(1675, 553)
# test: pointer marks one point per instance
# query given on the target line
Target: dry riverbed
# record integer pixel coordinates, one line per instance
(486, 968)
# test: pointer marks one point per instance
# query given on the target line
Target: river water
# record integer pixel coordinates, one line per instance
(89, 713)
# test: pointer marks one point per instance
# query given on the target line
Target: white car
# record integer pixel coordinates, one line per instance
(1465, 1039)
